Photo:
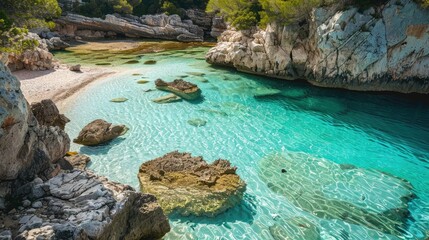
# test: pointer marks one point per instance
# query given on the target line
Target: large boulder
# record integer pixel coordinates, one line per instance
(328, 190)
(98, 132)
(383, 48)
(185, 90)
(47, 113)
(190, 186)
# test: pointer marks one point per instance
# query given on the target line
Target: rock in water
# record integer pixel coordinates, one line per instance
(98, 132)
(168, 98)
(328, 190)
(46, 113)
(119, 100)
(189, 185)
(142, 81)
(196, 122)
(263, 92)
(150, 62)
(180, 87)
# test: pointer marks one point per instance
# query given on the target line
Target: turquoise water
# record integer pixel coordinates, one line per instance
(384, 132)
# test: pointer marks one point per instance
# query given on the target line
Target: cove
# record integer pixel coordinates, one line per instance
(254, 122)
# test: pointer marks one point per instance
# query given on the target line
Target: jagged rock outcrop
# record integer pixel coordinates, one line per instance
(33, 59)
(189, 185)
(185, 90)
(47, 113)
(27, 148)
(38, 201)
(148, 26)
(98, 132)
(82, 205)
(383, 48)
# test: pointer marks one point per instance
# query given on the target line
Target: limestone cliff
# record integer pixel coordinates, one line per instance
(384, 48)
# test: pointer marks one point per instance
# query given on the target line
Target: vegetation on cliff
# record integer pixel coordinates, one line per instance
(99, 8)
(244, 14)
(16, 17)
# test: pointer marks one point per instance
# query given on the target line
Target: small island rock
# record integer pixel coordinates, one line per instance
(98, 132)
(189, 185)
(180, 87)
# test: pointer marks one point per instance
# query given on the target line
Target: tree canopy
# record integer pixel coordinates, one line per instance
(16, 17)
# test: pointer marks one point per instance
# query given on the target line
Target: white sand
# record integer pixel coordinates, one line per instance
(58, 84)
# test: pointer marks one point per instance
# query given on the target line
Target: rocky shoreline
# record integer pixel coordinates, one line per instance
(41, 198)
(380, 49)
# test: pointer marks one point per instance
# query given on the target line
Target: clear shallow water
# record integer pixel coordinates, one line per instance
(372, 131)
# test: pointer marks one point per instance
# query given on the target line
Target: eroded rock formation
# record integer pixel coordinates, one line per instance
(190, 186)
(47, 113)
(98, 132)
(148, 26)
(185, 90)
(383, 48)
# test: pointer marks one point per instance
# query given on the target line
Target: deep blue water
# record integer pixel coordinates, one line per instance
(384, 132)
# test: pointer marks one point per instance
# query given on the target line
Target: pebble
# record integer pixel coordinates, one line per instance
(37, 204)
(26, 203)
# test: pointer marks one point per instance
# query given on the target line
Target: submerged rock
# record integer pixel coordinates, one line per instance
(169, 98)
(98, 132)
(131, 62)
(189, 185)
(142, 81)
(180, 87)
(150, 62)
(262, 92)
(295, 228)
(197, 122)
(47, 113)
(119, 100)
(327, 190)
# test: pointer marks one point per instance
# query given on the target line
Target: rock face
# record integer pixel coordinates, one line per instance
(185, 90)
(47, 113)
(39, 202)
(383, 48)
(98, 132)
(82, 205)
(188, 185)
(37, 59)
(333, 191)
(27, 148)
(148, 26)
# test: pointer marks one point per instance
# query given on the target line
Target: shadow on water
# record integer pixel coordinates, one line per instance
(102, 149)
(375, 113)
(243, 212)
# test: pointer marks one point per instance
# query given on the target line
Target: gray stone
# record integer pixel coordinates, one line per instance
(37, 204)
(26, 203)
(6, 235)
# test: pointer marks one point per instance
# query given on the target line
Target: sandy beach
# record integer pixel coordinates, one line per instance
(59, 84)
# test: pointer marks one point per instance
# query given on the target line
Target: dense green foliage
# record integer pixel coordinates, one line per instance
(243, 14)
(16, 17)
(99, 8)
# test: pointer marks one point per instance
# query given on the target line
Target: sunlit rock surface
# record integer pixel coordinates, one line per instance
(190, 186)
(380, 49)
